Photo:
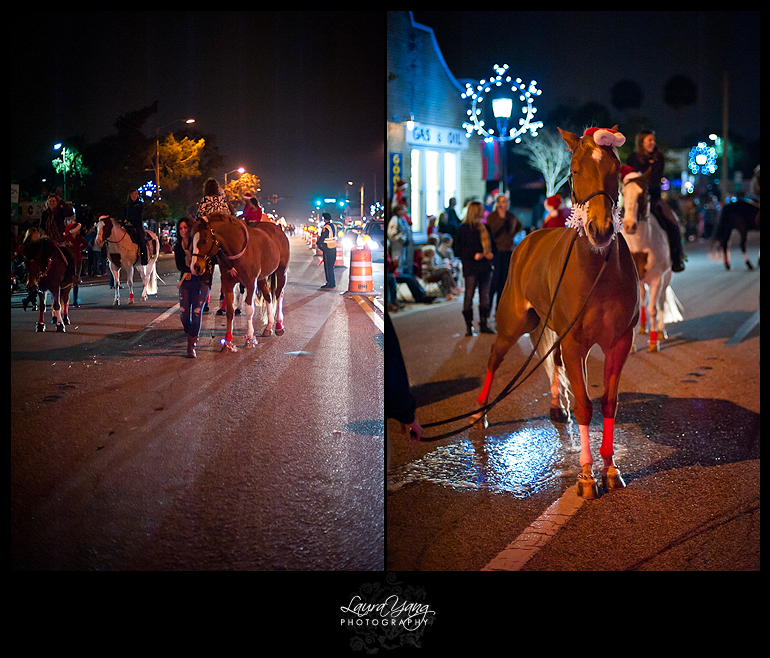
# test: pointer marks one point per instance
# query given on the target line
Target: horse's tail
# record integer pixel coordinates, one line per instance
(152, 270)
(672, 307)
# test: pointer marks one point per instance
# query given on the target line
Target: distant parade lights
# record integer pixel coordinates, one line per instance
(502, 107)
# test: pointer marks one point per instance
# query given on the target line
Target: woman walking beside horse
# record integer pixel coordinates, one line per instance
(193, 289)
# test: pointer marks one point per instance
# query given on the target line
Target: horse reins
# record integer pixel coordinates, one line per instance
(219, 246)
(513, 384)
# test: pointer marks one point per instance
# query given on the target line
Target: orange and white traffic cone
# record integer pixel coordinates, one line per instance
(340, 262)
(361, 279)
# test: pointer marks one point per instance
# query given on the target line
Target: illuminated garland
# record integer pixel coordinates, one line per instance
(526, 96)
(703, 159)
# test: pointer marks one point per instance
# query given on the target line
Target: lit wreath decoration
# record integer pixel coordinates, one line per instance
(526, 96)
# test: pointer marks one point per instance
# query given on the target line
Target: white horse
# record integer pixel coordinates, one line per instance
(123, 256)
(649, 246)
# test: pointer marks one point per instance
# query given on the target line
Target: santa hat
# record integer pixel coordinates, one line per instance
(606, 136)
(553, 201)
(74, 227)
(627, 173)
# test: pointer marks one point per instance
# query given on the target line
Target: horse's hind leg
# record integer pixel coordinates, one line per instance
(40, 326)
(744, 237)
(265, 290)
(281, 283)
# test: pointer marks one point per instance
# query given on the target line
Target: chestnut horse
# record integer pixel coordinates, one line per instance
(250, 255)
(648, 243)
(48, 268)
(579, 285)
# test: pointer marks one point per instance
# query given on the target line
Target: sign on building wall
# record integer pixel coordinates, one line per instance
(396, 170)
(425, 135)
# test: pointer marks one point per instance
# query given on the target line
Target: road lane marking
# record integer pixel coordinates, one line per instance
(378, 321)
(514, 556)
(154, 323)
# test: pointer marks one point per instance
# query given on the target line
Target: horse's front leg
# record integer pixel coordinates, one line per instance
(614, 360)
(573, 356)
(116, 276)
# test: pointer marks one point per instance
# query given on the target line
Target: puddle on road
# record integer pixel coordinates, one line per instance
(520, 463)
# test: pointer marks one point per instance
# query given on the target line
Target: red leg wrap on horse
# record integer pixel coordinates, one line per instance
(608, 432)
(229, 336)
(484, 396)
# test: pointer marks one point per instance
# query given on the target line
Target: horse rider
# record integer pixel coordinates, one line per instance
(132, 222)
(645, 156)
(54, 223)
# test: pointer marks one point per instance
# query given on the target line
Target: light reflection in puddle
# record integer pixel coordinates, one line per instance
(520, 463)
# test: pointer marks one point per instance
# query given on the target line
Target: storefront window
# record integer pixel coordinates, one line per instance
(434, 180)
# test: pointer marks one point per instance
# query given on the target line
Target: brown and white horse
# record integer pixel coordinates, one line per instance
(584, 282)
(250, 255)
(123, 256)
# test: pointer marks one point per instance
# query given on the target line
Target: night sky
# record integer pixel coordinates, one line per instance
(296, 98)
(576, 57)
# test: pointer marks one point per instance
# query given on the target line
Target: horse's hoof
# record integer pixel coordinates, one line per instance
(117, 302)
(279, 330)
(653, 346)
(228, 346)
(558, 415)
(40, 326)
(66, 319)
(250, 341)
(60, 328)
(267, 333)
(642, 330)
(587, 488)
(611, 478)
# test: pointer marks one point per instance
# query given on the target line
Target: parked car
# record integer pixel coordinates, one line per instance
(373, 236)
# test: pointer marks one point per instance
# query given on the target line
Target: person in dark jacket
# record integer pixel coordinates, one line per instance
(132, 221)
(503, 227)
(648, 156)
(474, 248)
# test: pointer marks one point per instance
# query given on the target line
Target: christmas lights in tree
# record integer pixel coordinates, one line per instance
(502, 107)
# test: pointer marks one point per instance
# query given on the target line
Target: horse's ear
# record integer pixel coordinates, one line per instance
(571, 139)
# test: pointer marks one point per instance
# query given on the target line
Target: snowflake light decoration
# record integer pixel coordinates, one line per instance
(703, 159)
(526, 95)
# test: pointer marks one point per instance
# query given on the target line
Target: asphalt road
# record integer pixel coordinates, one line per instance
(503, 497)
(126, 455)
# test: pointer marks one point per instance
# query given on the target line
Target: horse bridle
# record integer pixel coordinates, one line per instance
(589, 197)
(219, 246)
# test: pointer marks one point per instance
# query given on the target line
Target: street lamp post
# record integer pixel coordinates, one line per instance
(501, 108)
(362, 199)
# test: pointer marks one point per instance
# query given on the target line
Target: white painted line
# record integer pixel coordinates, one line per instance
(155, 322)
(378, 321)
(537, 535)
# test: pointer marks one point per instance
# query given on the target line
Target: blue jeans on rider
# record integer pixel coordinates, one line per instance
(192, 296)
